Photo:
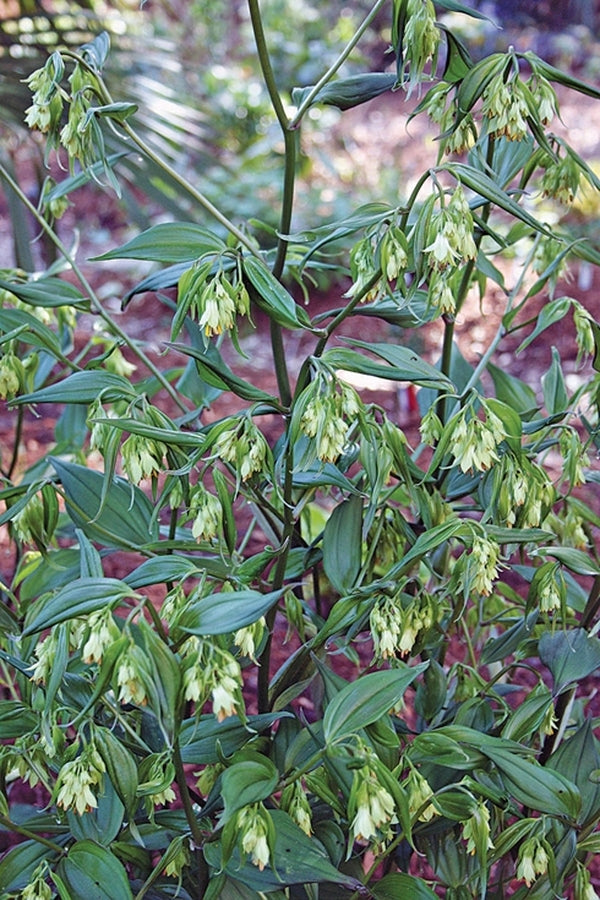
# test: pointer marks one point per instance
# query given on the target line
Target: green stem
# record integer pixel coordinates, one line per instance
(17, 442)
(31, 835)
(94, 300)
(184, 793)
(306, 103)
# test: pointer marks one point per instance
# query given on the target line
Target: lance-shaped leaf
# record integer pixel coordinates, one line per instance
(549, 314)
(270, 295)
(342, 544)
(575, 560)
(366, 700)
(536, 787)
(344, 93)
(125, 519)
(83, 387)
(47, 292)
(161, 569)
(401, 885)
(227, 611)
(81, 597)
(169, 242)
(487, 188)
(578, 758)
(403, 364)
(171, 436)
(205, 740)
(217, 373)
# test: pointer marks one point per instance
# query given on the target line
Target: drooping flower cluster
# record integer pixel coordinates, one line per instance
(102, 632)
(45, 111)
(142, 457)
(330, 410)
(12, 375)
(561, 179)
(477, 570)
(244, 447)
(474, 441)
(253, 826)
(420, 41)
(132, 675)
(421, 799)
(211, 672)
(371, 807)
(534, 858)
(522, 493)
(212, 299)
(206, 512)
(397, 622)
(505, 107)
(476, 831)
(451, 233)
(295, 803)
(80, 780)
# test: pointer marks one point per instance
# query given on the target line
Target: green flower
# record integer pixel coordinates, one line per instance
(253, 827)
(103, 631)
(373, 807)
(11, 375)
(80, 780)
(421, 40)
(476, 831)
(244, 447)
(142, 457)
(505, 107)
(207, 513)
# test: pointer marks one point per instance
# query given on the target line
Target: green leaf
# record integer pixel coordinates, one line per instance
(217, 374)
(554, 387)
(487, 188)
(342, 541)
(271, 296)
(512, 391)
(497, 649)
(91, 872)
(403, 364)
(83, 387)
(297, 860)
(121, 769)
(560, 77)
(81, 597)
(251, 779)
(126, 519)
(226, 611)
(392, 887)
(345, 93)
(19, 864)
(575, 560)
(169, 242)
(16, 719)
(570, 655)
(50, 292)
(172, 436)
(577, 759)
(536, 787)
(161, 569)
(204, 740)
(549, 314)
(366, 700)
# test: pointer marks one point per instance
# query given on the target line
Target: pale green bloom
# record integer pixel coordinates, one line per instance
(561, 179)
(476, 830)
(533, 860)
(207, 513)
(245, 447)
(584, 333)
(294, 802)
(11, 375)
(247, 639)
(254, 832)
(142, 457)
(80, 780)
(37, 889)
(45, 652)
(431, 427)
(420, 41)
(420, 793)
(506, 109)
(130, 676)
(227, 686)
(375, 807)
(103, 631)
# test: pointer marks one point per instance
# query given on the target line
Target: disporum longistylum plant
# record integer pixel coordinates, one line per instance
(457, 579)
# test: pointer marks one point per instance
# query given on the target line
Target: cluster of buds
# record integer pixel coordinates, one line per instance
(80, 780)
(473, 441)
(142, 457)
(575, 458)
(523, 493)
(459, 136)
(177, 857)
(387, 533)
(37, 889)
(477, 570)
(247, 639)
(45, 653)
(534, 857)
(548, 587)
(397, 622)
(213, 300)
(294, 802)
(363, 269)
(12, 375)
(568, 526)
(584, 332)
(421, 799)
(441, 294)
(80, 136)
(420, 41)
(132, 675)
(206, 512)
(371, 807)
(255, 828)
(451, 233)
(544, 96)
(212, 672)
(393, 253)
(330, 409)
(505, 107)
(102, 631)
(561, 179)
(100, 428)
(156, 777)
(584, 889)
(47, 102)
(244, 447)
(29, 525)
(476, 831)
